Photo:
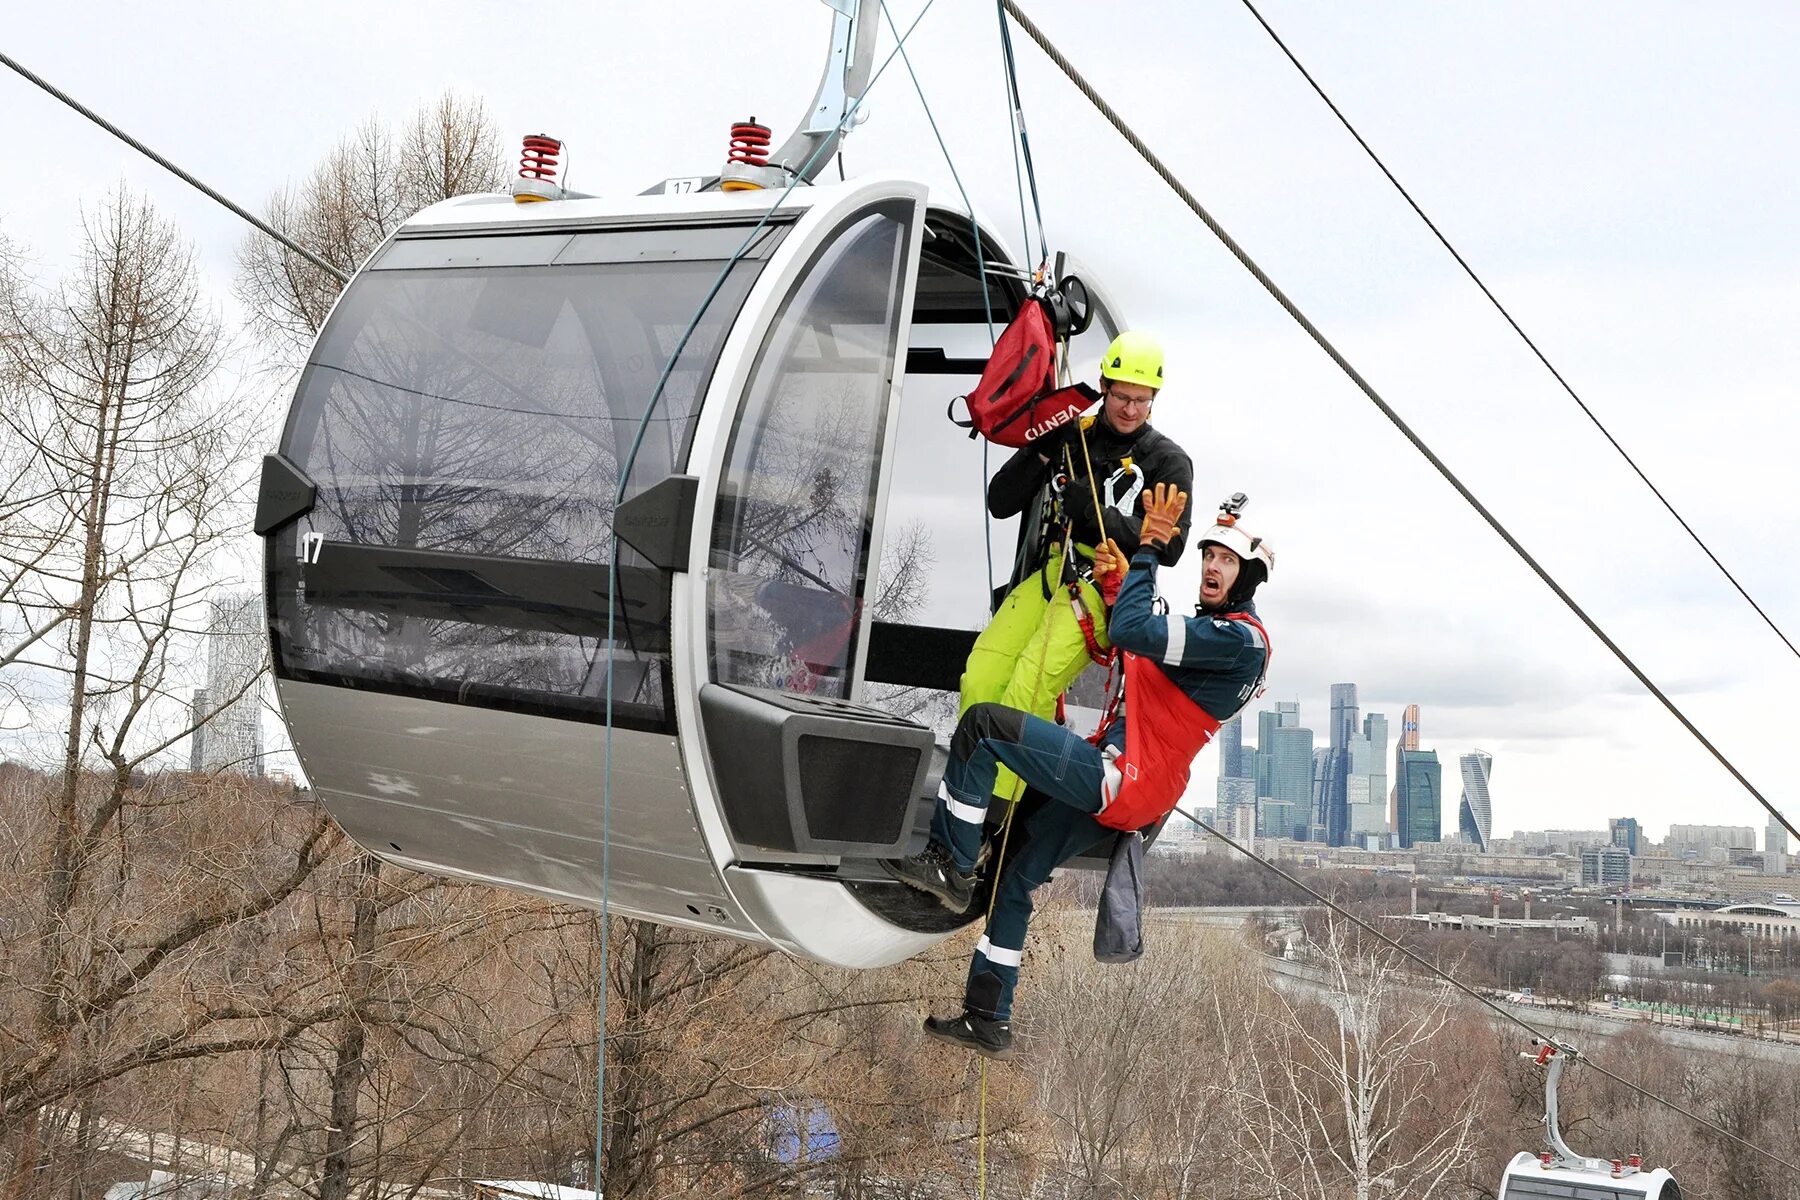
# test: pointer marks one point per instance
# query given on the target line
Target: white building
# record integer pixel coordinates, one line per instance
(227, 712)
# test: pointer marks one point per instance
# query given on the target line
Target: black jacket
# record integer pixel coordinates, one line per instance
(1016, 484)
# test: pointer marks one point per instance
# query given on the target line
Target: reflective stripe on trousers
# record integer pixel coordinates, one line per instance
(1067, 770)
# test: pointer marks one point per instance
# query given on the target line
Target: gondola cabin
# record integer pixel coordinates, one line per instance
(803, 554)
(1528, 1177)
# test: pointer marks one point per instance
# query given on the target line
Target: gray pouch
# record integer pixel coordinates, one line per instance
(1119, 925)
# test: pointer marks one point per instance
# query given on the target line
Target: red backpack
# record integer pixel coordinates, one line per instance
(1017, 400)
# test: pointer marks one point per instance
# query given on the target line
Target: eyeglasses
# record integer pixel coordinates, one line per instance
(1131, 401)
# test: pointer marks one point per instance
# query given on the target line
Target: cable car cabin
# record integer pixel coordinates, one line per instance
(802, 566)
(1527, 1178)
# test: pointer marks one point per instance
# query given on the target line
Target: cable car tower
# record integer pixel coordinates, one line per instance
(766, 360)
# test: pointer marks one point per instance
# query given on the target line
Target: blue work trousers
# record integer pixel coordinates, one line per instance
(1067, 770)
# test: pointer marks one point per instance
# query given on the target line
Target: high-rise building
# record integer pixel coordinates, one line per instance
(1375, 729)
(1606, 866)
(1290, 770)
(230, 738)
(1419, 784)
(1775, 838)
(1233, 794)
(1409, 728)
(1285, 712)
(1344, 718)
(1230, 741)
(1475, 816)
(1409, 740)
(1332, 805)
(1626, 834)
(1275, 818)
(1324, 759)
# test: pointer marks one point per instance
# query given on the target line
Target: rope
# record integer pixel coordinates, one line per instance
(612, 573)
(1526, 338)
(176, 171)
(1016, 115)
(1479, 998)
(1374, 397)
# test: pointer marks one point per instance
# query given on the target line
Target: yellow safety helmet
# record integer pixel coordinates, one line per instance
(1134, 357)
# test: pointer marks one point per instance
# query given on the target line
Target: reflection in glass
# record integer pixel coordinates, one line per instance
(796, 499)
(465, 427)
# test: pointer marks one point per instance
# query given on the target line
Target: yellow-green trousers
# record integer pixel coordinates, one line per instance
(1031, 651)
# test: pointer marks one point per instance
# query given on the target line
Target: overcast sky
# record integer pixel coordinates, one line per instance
(1624, 176)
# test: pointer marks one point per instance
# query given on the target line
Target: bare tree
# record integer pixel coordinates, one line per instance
(352, 201)
(1352, 1094)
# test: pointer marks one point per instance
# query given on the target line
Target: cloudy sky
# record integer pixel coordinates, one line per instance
(1623, 175)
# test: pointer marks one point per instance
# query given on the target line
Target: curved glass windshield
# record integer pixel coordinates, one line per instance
(790, 548)
(464, 416)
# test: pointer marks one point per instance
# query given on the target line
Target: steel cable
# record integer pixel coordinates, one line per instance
(1485, 1001)
(174, 170)
(1533, 346)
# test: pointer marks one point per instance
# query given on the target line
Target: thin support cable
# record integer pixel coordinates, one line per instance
(987, 305)
(1525, 337)
(612, 575)
(174, 170)
(1024, 147)
(1374, 398)
(1014, 117)
(1485, 1001)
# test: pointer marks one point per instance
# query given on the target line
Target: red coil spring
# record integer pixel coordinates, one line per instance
(749, 144)
(539, 158)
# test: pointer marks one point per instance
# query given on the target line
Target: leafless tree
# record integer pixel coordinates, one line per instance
(1352, 1093)
(352, 201)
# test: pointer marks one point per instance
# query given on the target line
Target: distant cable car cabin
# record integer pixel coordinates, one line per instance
(801, 566)
(1559, 1173)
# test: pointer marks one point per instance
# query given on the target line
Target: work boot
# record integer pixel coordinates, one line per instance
(984, 1035)
(933, 870)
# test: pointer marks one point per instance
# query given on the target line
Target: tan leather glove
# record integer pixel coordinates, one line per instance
(1110, 567)
(1163, 506)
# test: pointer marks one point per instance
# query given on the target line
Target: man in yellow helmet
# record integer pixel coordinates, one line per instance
(1097, 470)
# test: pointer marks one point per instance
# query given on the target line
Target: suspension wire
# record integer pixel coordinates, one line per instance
(1485, 1001)
(1374, 397)
(1526, 338)
(1024, 147)
(987, 304)
(1218, 231)
(612, 569)
(174, 170)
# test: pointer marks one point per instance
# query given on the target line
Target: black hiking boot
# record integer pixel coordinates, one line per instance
(972, 1031)
(933, 870)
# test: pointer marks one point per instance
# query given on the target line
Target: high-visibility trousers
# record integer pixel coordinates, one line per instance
(1032, 651)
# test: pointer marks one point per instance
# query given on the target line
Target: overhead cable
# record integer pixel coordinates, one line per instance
(1485, 1001)
(1374, 397)
(170, 167)
(1533, 346)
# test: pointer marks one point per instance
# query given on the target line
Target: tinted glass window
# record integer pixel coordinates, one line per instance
(934, 563)
(465, 427)
(791, 533)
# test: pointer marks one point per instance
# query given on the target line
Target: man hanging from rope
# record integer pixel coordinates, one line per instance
(1184, 676)
(1047, 629)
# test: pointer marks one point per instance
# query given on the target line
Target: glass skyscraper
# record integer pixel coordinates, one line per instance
(1419, 786)
(1475, 816)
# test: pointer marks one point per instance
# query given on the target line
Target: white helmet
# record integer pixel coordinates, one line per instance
(1256, 555)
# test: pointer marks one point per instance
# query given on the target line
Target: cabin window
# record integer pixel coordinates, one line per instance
(464, 416)
(790, 541)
